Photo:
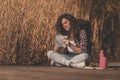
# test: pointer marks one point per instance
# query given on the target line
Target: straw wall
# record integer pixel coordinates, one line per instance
(105, 17)
(27, 28)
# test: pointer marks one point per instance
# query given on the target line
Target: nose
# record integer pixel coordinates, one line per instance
(64, 25)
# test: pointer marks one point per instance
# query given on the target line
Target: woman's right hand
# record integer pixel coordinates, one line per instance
(66, 42)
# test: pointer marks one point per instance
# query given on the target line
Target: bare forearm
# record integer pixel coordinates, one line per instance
(76, 49)
(68, 43)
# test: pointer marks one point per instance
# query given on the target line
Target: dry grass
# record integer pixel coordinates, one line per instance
(27, 28)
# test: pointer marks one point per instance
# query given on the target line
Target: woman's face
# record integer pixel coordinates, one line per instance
(66, 24)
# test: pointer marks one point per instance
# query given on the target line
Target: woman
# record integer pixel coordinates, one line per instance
(73, 39)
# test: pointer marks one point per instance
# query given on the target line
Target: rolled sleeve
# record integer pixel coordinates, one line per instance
(83, 42)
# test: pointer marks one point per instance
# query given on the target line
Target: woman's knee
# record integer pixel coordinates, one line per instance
(80, 58)
(50, 53)
(85, 55)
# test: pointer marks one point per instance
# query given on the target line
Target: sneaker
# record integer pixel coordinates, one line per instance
(79, 65)
(52, 63)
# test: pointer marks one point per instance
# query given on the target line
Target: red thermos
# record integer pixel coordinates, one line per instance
(103, 60)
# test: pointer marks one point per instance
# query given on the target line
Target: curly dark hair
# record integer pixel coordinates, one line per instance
(59, 26)
(76, 26)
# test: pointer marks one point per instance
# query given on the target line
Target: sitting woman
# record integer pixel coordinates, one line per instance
(71, 43)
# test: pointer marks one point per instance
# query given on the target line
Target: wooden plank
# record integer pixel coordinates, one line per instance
(55, 73)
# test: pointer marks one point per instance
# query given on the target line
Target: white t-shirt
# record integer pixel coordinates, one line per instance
(59, 42)
(69, 49)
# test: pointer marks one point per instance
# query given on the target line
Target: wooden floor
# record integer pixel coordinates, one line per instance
(56, 73)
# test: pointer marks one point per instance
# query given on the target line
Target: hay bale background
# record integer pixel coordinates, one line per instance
(105, 17)
(27, 28)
